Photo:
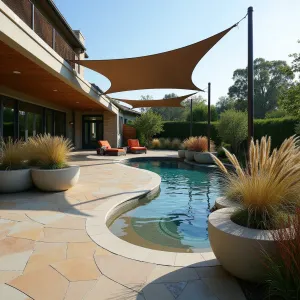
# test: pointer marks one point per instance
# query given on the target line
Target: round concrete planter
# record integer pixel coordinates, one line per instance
(189, 155)
(181, 153)
(238, 248)
(15, 181)
(223, 202)
(55, 180)
(204, 157)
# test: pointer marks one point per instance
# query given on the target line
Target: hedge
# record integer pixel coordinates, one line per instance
(278, 129)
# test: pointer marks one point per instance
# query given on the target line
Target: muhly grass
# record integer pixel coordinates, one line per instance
(271, 181)
(155, 144)
(13, 154)
(50, 152)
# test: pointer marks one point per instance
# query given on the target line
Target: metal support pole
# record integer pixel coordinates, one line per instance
(250, 77)
(208, 117)
(191, 118)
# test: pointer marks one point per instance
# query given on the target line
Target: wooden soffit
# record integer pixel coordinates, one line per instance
(172, 69)
(171, 102)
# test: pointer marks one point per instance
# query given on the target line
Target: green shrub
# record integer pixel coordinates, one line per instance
(233, 128)
(175, 144)
(278, 129)
(147, 125)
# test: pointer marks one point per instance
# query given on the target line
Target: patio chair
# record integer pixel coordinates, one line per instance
(134, 147)
(106, 149)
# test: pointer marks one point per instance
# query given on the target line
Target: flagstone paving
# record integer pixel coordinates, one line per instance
(46, 252)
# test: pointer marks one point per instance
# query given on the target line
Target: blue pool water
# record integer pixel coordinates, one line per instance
(176, 219)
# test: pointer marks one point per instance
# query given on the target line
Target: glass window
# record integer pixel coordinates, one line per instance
(8, 117)
(60, 125)
(49, 121)
(30, 120)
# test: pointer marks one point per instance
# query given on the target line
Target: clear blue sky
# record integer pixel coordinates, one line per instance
(129, 28)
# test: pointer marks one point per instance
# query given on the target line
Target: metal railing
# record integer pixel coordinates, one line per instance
(28, 13)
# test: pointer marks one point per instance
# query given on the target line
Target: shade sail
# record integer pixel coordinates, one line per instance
(171, 102)
(172, 69)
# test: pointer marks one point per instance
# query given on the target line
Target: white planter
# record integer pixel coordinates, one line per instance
(15, 181)
(181, 153)
(204, 157)
(189, 155)
(223, 202)
(238, 248)
(55, 180)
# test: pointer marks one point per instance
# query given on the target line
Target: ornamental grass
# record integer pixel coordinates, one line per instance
(12, 154)
(271, 181)
(155, 144)
(283, 272)
(175, 144)
(198, 144)
(50, 152)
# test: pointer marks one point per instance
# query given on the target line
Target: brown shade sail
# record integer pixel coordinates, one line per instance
(172, 69)
(171, 102)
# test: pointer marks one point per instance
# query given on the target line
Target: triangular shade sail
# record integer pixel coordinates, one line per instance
(171, 102)
(172, 69)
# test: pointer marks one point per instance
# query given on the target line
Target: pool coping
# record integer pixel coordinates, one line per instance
(98, 231)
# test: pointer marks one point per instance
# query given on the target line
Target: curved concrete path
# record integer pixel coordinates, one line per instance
(46, 252)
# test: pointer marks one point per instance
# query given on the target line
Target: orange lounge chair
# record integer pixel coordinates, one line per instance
(106, 149)
(134, 146)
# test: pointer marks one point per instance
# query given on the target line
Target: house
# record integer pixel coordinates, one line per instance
(40, 90)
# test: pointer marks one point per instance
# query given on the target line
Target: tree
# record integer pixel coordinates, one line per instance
(290, 98)
(170, 113)
(271, 78)
(232, 128)
(224, 103)
(148, 124)
(147, 97)
(200, 112)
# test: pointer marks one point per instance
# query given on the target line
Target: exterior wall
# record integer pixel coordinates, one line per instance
(111, 129)
(80, 36)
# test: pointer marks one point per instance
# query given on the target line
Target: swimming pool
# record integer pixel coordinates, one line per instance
(176, 219)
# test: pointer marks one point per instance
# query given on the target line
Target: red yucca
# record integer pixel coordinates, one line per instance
(284, 272)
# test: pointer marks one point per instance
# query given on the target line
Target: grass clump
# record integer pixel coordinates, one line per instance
(269, 184)
(283, 272)
(199, 144)
(175, 144)
(155, 144)
(13, 155)
(50, 152)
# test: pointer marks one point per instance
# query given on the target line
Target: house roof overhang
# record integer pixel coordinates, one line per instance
(37, 82)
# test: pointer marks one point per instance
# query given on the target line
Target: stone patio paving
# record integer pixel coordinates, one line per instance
(46, 253)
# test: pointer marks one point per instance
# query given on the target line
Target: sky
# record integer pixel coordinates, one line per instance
(130, 28)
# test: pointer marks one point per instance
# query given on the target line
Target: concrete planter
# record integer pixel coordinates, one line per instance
(15, 181)
(238, 248)
(204, 157)
(223, 202)
(181, 153)
(189, 155)
(55, 180)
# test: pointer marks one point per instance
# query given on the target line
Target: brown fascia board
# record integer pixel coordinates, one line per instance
(65, 24)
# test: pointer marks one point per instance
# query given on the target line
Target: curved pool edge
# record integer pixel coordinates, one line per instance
(98, 231)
